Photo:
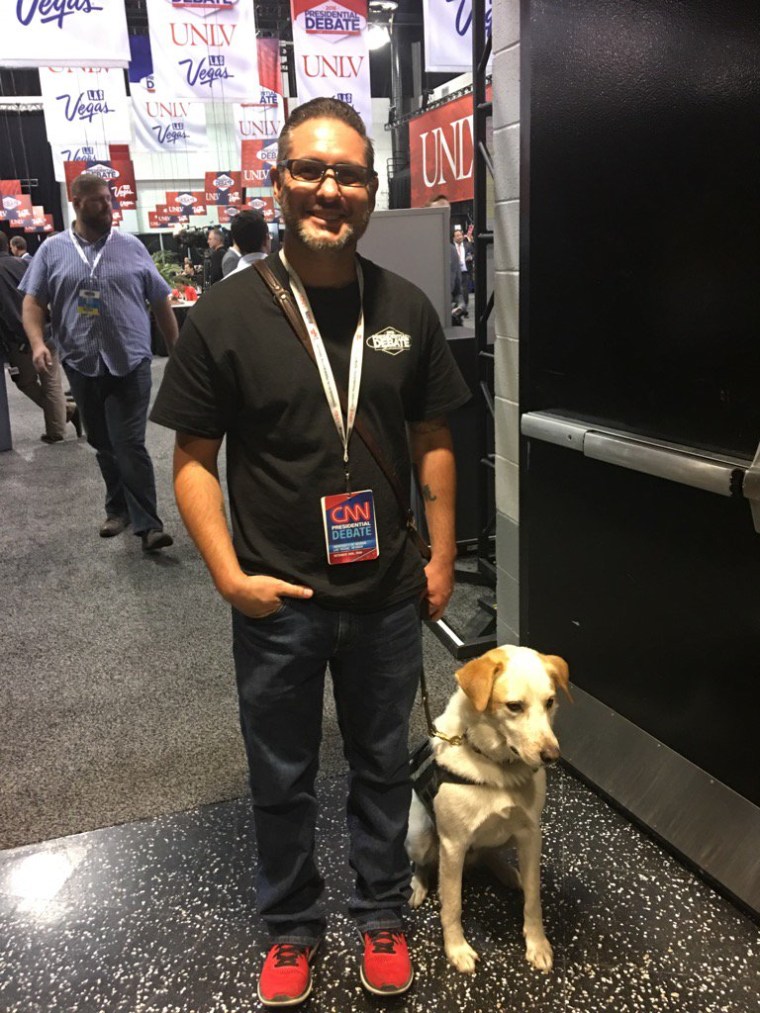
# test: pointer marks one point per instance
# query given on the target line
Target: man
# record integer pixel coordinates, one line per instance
(230, 259)
(464, 253)
(218, 249)
(97, 281)
(19, 249)
(240, 372)
(250, 237)
(458, 298)
(45, 389)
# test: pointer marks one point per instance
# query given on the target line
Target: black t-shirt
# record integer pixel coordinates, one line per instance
(239, 370)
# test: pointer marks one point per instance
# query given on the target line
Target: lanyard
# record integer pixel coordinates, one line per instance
(81, 252)
(323, 363)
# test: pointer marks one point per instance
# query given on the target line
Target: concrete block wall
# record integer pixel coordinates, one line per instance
(506, 156)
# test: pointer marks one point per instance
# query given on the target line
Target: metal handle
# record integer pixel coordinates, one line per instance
(700, 469)
(686, 469)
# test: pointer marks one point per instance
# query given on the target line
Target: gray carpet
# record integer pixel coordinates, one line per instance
(117, 697)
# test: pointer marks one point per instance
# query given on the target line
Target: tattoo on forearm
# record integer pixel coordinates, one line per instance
(428, 494)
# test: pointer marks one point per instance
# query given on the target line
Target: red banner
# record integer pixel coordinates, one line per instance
(15, 206)
(270, 72)
(119, 175)
(223, 188)
(257, 159)
(43, 223)
(9, 187)
(441, 152)
(264, 205)
(191, 202)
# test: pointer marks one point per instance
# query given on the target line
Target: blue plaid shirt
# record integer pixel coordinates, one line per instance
(117, 340)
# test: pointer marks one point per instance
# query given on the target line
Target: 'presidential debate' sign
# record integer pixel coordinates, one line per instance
(331, 56)
(70, 33)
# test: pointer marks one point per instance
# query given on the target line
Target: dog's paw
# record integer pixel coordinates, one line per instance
(539, 952)
(462, 957)
(419, 893)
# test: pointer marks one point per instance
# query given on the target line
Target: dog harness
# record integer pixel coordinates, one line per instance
(428, 775)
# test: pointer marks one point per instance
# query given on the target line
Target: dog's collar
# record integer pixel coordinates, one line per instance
(453, 740)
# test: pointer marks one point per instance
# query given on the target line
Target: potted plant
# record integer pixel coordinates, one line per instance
(168, 266)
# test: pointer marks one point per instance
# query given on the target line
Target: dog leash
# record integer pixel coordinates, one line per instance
(453, 740)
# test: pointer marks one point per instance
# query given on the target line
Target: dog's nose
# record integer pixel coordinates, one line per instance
(549, 754)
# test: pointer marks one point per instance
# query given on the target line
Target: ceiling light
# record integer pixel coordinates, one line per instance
(378, 36)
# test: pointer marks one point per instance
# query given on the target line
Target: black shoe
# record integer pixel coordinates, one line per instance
(51, 439)
(113, 526)
(154, 540)
(76, 421)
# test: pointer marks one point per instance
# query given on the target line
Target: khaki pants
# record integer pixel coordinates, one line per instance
(45, 389)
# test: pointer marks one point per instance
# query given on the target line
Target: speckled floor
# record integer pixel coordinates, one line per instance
(156, 917)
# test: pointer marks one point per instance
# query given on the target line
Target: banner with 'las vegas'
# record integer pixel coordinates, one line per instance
(331, 55)
(85, 106)
(71, 33)
(203, 49)
(161, 123)
(167, 125)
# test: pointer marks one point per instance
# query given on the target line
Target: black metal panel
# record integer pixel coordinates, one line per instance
(641, 208)
(651, 590)
(640, 306)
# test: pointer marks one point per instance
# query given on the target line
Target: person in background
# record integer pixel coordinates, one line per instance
(218, 249)
(19, 249)
(307, 586)
(465, 256)
(250, 237)
(98, 282)
(45, 389)
(458, 298)
(231, 256)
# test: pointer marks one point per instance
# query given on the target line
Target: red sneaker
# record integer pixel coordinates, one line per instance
(285, 978)
(386, 968)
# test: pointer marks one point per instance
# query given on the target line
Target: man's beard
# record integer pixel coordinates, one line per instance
(97, 223)
(349, 235)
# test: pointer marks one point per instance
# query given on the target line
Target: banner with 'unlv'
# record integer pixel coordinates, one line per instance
(223, 188)
(166, 125)
(85, 105)
(448, 35)
(70, 33)
(441, 152)
(161, 123)
(203, 49)
(331, 56)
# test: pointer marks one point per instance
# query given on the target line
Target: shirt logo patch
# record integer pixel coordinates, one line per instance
(389, 341)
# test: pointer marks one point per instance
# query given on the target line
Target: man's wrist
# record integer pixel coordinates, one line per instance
(229, 584)
(443, 555)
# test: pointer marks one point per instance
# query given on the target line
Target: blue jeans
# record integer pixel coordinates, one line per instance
(375, 661)
(114, 410)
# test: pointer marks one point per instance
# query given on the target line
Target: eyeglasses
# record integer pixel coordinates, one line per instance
(312, 170)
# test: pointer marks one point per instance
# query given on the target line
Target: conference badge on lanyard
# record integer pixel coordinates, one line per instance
(350, 529)
(88, 302)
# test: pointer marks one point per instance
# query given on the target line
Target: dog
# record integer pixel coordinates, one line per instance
(496, 739)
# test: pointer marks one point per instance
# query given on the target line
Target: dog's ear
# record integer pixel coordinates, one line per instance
(559, 671)
(477, 678)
